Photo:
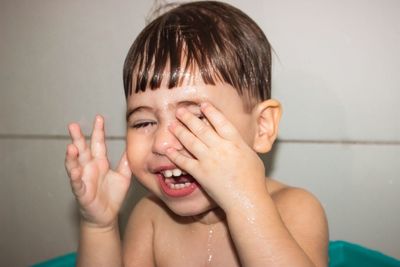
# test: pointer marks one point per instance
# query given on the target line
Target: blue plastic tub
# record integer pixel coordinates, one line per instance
(341, 254)
(68, 260)
(345, 254)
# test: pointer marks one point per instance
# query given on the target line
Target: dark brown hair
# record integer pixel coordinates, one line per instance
(222, 42)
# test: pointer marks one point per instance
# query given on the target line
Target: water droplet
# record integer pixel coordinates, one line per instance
(209, 244)
(251, 220)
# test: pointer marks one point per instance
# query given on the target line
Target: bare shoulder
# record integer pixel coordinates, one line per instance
(138, 236)
(304, 217)
(294, 201)
(297, 205)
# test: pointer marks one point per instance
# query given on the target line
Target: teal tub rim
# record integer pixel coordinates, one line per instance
(60, 261)
(338, 252)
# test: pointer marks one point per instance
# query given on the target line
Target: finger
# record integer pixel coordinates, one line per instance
(123, 166)
(188, 140)
(79, 141)
(78, 187)
(71, 158)
(200, 129)
(97, 145)
(221, 124)
(188, 164)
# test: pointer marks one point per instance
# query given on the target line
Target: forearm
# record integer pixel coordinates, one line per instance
(99, 247)
(261, 237)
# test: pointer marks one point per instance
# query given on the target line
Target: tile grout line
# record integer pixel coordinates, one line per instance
(48, 137)
(340, 142)
(284, 141)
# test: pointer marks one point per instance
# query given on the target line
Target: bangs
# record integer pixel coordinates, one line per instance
(217, 46)
(171, 45)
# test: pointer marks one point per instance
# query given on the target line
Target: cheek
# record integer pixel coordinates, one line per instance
(245, 127)
(137, 152)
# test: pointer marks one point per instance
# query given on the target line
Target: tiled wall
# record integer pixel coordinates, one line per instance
(335, 72)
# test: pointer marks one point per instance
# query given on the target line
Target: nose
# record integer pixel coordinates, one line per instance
(164, 139)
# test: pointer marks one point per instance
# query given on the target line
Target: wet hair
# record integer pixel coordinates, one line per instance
(215, 38)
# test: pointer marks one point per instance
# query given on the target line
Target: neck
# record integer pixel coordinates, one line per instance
(210, 217)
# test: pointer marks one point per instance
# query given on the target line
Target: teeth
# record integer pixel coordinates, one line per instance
(168, 173)
(175, 172)
(179, 186)
(169, 178)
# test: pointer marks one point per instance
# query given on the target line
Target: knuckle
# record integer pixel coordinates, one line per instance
(192, 143)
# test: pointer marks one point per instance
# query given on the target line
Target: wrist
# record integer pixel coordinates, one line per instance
(90, 226)
(249, 206)
(244, 192)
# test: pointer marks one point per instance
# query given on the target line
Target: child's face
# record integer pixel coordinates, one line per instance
(148, 137)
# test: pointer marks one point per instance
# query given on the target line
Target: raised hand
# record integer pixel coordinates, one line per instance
(224, 164)
(99, 190)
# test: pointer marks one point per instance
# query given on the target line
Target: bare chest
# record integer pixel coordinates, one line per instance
(207, 246)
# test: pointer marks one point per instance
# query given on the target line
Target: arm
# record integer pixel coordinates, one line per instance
(99, 192)
(99, 246)
(138, 237)
(233, 175)
(287, 230)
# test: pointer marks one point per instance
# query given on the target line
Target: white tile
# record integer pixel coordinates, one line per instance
(335, 73)
(336, 77)
(336, 68)
(40, 218)
(62, 61)
(36, 200)
(359, 186)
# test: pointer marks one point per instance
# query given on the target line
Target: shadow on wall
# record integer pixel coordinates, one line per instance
(136, 192)
(269, 159)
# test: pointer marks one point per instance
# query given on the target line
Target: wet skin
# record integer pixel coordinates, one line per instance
(203, 130)
(153, 125)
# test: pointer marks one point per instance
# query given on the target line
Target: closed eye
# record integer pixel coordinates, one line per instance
(143, 124)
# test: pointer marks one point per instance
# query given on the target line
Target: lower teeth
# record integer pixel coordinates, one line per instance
(179, 186)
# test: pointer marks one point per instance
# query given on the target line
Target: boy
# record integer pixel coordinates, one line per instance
(197, 82)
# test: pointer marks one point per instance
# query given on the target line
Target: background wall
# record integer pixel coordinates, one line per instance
(336, 73)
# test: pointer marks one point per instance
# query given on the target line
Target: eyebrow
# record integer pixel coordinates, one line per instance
(185, 103)
(137, 109)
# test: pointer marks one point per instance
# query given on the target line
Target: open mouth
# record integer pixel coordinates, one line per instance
(176, 183)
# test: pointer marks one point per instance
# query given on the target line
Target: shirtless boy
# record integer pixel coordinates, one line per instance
(199, 111)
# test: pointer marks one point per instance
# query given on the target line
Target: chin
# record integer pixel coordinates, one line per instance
(189, 208)
(188, 211)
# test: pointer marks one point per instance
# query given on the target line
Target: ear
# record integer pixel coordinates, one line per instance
(266, 116)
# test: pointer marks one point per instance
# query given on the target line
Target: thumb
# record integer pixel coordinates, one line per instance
(123, 166)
